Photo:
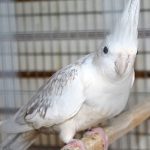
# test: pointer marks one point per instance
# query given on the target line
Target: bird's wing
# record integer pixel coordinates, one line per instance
(58, 100)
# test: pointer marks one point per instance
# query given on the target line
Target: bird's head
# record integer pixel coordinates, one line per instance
(118, 51)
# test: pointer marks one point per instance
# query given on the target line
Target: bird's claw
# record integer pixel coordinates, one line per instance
(101, 133)
(74, 144)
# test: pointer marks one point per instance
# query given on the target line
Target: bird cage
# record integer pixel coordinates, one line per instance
(38, 37)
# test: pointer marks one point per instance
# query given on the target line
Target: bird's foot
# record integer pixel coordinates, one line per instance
(74, 144)
(101, 133)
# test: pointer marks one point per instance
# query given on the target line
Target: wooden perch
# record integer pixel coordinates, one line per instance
(120, 126)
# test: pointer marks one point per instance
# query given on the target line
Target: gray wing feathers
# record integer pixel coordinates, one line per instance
(54, 87)
(44, 99)
(49, 97)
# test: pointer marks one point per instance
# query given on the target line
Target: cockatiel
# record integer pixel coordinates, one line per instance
(79, 96)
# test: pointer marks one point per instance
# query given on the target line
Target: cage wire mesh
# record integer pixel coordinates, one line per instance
(37, 37)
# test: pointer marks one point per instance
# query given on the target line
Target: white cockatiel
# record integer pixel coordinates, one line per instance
(79, 96)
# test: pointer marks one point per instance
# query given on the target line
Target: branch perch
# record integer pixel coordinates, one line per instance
(120, 126)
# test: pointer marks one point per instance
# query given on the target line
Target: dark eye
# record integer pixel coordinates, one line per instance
(105, 50)
(137, 53)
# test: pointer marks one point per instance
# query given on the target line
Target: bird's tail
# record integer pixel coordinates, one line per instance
(20, 141)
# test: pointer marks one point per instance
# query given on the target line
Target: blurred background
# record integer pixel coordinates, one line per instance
(37, 37)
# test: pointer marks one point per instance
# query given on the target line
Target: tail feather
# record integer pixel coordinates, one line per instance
(20, 141)
(10, 126)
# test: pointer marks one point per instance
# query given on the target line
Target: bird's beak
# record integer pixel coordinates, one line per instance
(121, 65)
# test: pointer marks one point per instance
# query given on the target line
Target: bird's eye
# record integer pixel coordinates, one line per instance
(137, 53)
(105, 50)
